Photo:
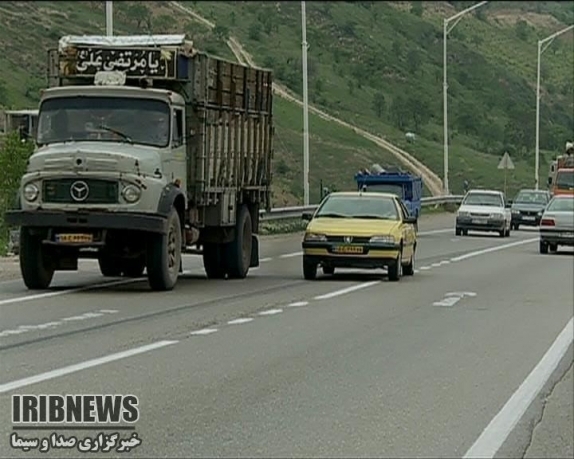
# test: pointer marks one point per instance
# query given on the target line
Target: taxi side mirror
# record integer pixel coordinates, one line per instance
(410, 220)
(307, 216)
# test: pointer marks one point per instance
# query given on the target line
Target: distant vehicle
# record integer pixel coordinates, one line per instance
(360, 230)
(561, 175)
(484, 210)
(528, 206)
(406, 186)
(557, 224)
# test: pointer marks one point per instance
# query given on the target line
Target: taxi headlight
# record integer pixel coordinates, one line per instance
(31, 192)
(314, 237)
(387, 239)
(131, 193)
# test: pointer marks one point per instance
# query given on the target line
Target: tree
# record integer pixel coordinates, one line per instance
(379, 104)
(417, 8)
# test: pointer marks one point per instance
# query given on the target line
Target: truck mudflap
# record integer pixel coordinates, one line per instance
(254, 263)
(88, 220)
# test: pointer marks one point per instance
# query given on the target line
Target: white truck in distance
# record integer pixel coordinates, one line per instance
(146, 149)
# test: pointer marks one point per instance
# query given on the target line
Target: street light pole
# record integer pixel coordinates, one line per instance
(305, 107)
(109, 18)
(541, 48)
(446, 30)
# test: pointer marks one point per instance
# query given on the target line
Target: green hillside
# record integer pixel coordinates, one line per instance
(377, 65)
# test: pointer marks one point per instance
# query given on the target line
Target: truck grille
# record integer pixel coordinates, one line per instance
(87, 191)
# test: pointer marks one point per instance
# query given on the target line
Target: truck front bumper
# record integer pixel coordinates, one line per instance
(87, 220)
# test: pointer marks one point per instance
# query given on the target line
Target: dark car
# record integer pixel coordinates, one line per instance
(528, 206)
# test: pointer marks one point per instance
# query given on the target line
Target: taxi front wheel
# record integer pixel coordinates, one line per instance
(309, 269)
(395, 269)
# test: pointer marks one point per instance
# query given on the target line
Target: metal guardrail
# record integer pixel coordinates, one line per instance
(284, 213)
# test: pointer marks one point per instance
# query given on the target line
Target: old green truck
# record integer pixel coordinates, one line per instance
(146, 149)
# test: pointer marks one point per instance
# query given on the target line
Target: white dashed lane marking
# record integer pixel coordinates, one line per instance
(204, 331)
(240, 321)
(270, 312)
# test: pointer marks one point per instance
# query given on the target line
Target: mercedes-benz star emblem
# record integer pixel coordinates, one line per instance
(79, 191)
(348, 239)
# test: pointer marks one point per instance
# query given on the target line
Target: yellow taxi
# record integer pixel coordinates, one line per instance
(365, 230)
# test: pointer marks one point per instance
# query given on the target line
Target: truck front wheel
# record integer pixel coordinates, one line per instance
(37, 271)
(239, 250)
(164, 255)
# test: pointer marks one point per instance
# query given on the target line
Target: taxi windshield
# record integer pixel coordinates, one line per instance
(368, 207)
(483, 199)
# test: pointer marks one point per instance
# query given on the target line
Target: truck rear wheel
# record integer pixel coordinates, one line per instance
(164, 255)
(214, 261)
(238, 253)
(133, 267)
(37, 272)
(109, 267)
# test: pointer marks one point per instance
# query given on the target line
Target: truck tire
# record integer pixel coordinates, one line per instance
(238, 253)
(37, 272)
(214, 261)
(164, 255)
(109, 267)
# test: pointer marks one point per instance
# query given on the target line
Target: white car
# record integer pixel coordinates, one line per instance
(484, 210)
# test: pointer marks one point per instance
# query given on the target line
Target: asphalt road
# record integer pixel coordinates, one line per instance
(345, 366)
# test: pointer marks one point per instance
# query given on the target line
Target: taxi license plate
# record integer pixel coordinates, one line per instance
(479, 221)
(75, 238)
(348, 249)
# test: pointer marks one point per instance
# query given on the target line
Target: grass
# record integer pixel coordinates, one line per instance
(355, 62)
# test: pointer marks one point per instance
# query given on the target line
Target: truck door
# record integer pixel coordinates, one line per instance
(177, 160)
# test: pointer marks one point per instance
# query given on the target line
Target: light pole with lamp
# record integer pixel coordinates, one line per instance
(109, 18)
(304, 46)
(541, 48)
(446, 30)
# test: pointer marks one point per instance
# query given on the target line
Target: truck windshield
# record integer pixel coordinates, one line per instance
(397, 190)
(104, 119)
(565, 179)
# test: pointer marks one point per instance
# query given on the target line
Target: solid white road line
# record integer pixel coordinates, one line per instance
(496, 433)
(81, 366)
(493, 249)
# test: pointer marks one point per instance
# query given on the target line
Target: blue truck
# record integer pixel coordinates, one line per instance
(407, 186)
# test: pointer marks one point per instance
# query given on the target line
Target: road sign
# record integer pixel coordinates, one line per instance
(506, 162)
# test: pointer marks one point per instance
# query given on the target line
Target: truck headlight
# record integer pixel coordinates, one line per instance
(131, 193)
(313, 237)
(387, 239)
(31, 192)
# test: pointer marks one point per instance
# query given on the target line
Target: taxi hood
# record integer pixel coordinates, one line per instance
(352, 226)
(96, 157)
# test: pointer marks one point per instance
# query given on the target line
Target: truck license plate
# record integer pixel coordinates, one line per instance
(348, 249)
(75, 238)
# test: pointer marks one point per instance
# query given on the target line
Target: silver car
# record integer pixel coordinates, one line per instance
(557, 224)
